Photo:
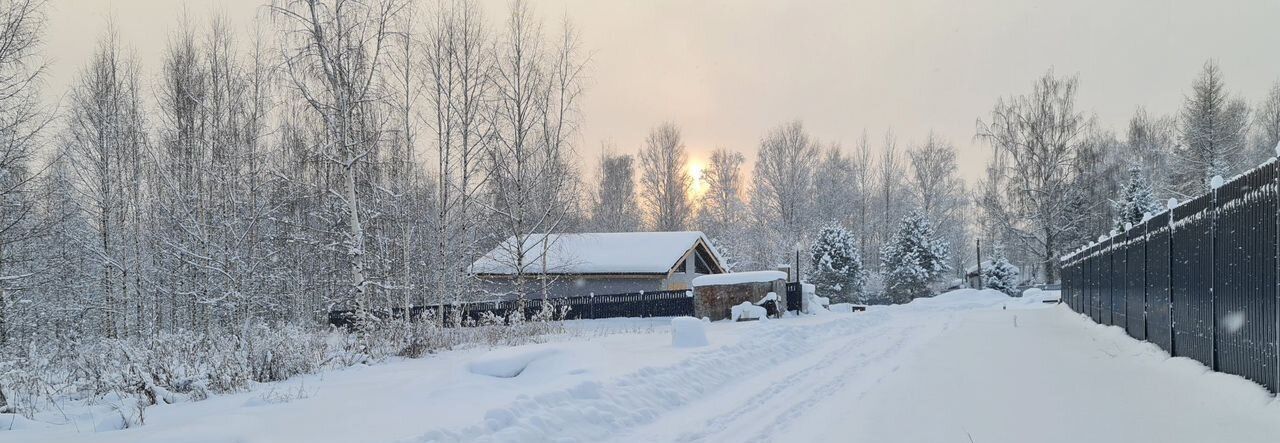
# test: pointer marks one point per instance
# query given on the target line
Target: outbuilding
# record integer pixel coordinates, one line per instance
(596, 263)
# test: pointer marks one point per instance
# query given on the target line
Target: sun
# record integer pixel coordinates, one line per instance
(697, 184)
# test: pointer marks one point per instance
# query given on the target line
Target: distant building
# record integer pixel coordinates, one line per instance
(973, 279)
(597, 263)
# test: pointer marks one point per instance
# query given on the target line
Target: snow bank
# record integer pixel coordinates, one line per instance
(1037, 295)
(963, 299)
(748, 311)
(15, 422)
(842, 307)
(509, 364)
(688, 332)
(734, 278)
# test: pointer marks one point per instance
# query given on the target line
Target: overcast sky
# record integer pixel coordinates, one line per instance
(727, 71)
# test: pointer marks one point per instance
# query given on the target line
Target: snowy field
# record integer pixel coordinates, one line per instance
(967, 366)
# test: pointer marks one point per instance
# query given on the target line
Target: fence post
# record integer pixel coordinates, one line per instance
(1173, 330)
(1213, 280)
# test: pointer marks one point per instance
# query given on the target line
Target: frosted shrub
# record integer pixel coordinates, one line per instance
(131, 374)
(279, 353)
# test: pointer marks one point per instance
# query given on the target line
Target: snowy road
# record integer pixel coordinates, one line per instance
(954, 369)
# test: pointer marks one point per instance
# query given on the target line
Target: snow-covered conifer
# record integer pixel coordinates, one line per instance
(1000, 274)
(837, 269)
(913, 258)
(1136, 199)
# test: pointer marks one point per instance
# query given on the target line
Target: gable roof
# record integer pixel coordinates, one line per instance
(596, 253)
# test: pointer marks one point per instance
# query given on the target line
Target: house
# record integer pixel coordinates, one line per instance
(597, 263)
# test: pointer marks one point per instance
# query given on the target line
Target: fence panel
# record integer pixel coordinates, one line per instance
(1159, 315)
(1244, 277)
(1136, 283)
(1105, 276)
(1192, 280)
(1095, 283)
(1119, 281)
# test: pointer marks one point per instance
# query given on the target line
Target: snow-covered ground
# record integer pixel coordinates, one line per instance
(965, 366)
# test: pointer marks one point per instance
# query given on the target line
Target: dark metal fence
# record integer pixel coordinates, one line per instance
(632, 304)
(794, 293)
(1199, 280)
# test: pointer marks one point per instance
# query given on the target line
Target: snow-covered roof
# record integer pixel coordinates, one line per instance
(595, 253)
(735, 278)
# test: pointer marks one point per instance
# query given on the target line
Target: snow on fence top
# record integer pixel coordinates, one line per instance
(735, 278)
(1215, 183)
(593, 253)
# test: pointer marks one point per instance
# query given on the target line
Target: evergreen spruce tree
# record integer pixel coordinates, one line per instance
(1000, 274)
(836, 262)
(1136, 200)
(913, 258)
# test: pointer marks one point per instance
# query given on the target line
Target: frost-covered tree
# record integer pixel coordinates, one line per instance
(1137, 199)
(104, 142)
(782, 191)
(913, 259)
(335, 50)
(721, 212)
(1153, 140)
(834, 187)
(1036, 139)
(890, 200)
(937, 190)
(1212, 129)
(23, 119)
(613, 205)
(534, 117)
(1266, 126)
(836, 265)
(664, 181)
(999, 274)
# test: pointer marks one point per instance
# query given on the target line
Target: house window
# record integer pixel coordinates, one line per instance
(680, 267)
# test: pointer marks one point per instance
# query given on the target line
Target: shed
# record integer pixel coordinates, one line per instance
(597, 263)
(715, 295)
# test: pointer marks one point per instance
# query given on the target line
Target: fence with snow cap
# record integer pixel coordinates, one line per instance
(1199, 279)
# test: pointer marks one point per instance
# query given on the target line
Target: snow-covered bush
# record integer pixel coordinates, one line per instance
(913, 258)
(836, 262)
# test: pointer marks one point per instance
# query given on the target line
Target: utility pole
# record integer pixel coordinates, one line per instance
(979, 247)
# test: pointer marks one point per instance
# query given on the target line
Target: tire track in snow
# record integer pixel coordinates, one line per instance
(724, 422)
(592, 411)
(838, 369)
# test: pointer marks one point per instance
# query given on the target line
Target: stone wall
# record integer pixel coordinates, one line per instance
(715, 301)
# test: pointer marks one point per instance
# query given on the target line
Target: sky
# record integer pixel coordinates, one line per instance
(728, 71)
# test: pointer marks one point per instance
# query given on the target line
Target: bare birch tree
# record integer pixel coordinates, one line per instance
(334, 51)
(664, 180)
